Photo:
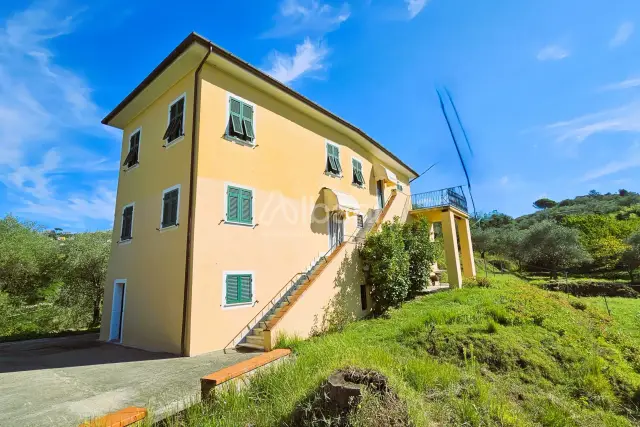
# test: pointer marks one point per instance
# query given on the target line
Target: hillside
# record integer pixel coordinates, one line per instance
(587, 235)
(509, 354)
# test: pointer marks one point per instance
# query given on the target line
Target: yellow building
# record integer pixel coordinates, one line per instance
(239, 204)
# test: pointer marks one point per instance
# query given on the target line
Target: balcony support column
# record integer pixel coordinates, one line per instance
(450, 237)
(466, 248)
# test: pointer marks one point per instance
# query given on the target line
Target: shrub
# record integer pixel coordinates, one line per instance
(422, 253)
(481, 282)
(578, 305)
(386, 266)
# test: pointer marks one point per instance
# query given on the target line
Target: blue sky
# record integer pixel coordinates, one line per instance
(547, 90)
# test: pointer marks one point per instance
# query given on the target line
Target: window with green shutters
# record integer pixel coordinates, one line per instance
(170, 200)
(238, 288)
(358, 177)
(126, 232)
(333, 160)
(175, 128)
(239, 205)
(241, 123)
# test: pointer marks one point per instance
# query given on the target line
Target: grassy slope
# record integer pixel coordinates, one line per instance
(508, 355)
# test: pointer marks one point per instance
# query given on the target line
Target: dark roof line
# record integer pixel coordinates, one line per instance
(196, 38)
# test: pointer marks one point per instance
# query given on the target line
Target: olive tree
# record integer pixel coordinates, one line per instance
(29, 259)
(554, 247)
(631, 257)
(86, 256)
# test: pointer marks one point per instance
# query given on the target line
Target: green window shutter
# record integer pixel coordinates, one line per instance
(231, 289)
(357, 172)
(244, 286)
(247, 121)
(170, 208)
(235, 109)
(233, 204)
(127, 222)
(333, 159)
(246, 208)
(336, 156)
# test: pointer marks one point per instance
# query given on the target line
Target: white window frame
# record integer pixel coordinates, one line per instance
(255, 121)
(165, 191)
(124, 303)
(326, 158)
(133, 205)
(168, 144)
(139, 148)
(226, 202)
(359, 160)
(224, 304)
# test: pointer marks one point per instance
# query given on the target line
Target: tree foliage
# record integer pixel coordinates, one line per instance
(422, 253)
(53, 268)
(397, 262)
(544, 203)
(86, 257)
(551, 246)
(29, 260)
(386, 265)
(631, 256)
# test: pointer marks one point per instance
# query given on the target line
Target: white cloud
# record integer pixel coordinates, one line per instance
(46, 108)
(504, 181)
(632, 160)
(625, 84)
(622, 119)
(415, 7)
(309, 16)
(552, 53)
(309, 58)
(625, 30)
(97, 204)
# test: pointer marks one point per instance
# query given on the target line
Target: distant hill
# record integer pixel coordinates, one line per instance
(606, 226)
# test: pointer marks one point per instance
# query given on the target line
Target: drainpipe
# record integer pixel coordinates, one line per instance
(192, 178)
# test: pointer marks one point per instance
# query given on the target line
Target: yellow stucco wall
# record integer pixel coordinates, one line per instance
(285, 170)
(153, 262)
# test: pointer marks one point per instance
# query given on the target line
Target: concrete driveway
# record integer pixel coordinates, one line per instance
(63, 381)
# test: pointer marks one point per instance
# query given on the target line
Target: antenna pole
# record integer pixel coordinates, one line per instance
(455, 142)
(455, 110)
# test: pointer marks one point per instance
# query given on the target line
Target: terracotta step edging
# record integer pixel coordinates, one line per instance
(121, 418)
(210, 382)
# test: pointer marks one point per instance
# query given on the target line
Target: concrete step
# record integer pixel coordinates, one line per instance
(256, 340)
(250, 346)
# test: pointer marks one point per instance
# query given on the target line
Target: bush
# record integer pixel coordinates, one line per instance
(481, 282)
(386, 266)
(422, 253)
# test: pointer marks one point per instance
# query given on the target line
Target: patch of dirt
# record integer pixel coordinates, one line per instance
(352, 397)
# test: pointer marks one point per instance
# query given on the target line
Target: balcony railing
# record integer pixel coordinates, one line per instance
(453, 196)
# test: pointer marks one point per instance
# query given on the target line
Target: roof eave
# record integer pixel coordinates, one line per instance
(196, 38)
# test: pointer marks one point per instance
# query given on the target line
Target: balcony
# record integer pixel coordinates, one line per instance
(446, 197)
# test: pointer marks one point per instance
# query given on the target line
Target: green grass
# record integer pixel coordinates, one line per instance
(46, 319)
(510, 354)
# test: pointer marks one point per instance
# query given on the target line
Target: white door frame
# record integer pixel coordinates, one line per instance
(119, 285)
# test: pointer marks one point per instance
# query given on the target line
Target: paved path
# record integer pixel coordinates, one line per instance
(63, 381)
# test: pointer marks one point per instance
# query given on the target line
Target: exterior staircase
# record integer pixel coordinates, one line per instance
(284, 300)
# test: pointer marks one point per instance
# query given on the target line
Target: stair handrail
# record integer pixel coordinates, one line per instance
(256, 319)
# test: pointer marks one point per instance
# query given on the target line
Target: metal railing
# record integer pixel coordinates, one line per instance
(453, 196)
(298, 279)
(285, 291)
